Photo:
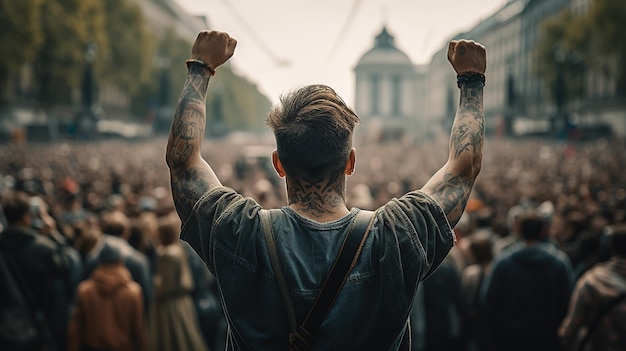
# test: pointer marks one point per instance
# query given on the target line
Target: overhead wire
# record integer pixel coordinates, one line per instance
(277, 60)
(346, 25)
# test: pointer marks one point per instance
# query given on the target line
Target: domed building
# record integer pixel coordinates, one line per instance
(387, 84)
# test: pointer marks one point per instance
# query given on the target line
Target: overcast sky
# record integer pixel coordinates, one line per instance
(285, 44)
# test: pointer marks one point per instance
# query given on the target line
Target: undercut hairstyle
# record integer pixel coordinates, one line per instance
(313, 128)
(15, 205)
(532, 227)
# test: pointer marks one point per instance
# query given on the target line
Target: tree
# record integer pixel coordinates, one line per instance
(606, 23)
(63, 41)
(68, 26)
(20, 35)
(572, 45)
(243, 106)
(128, 60)
(158, 94)
(233, 103)
(561, 54)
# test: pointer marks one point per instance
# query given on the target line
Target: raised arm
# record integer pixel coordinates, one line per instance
(190, 175)
(452, 184)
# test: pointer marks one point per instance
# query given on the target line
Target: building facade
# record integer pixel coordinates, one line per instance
(517, 99)
(386, 87)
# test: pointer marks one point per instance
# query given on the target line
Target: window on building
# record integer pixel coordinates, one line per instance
(396, 96)
(375, 95)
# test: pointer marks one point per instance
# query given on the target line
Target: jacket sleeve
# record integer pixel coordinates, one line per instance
(578, 315)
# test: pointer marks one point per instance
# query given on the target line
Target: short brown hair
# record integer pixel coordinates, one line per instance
(15, 205)
(532, 226)
(168, 233)
(116, 223)
(481, 247)
(313, 129)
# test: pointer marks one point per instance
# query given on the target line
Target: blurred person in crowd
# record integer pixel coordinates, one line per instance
(174, 324)
(444, 309)
(527, 292)
(596, 319)
(44, 266)
(410, 236)
(62, 290)
(588, 253)
(86, 233)
(204, 293)
(143, 235)
(139, 237)
(575, 226)
(3, 219)
(109, 311)
(206, 299)
(472, 279)
(476, 218)
(114, 231)
(72, 210)
(460, 253)
(513, 217)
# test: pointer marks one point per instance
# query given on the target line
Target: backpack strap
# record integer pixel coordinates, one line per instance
(270, 240)
(303, 337)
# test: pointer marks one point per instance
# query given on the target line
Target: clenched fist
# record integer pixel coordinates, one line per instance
(213, 48)
(467, 56)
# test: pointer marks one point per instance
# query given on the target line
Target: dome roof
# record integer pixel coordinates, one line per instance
(384, 52)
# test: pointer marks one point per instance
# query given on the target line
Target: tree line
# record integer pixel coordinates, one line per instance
(574, 44)
(56, 39)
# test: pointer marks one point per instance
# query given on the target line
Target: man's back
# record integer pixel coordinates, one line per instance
(371, 310)
(527, 293)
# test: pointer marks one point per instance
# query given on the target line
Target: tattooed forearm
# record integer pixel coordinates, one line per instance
(189, 121)
(188, 185)
(452, 185)
(468, 130)
(452, 193)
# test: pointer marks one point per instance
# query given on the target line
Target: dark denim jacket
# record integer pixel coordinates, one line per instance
(409, 239)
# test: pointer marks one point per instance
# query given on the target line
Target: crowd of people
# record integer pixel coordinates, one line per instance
(538, 254)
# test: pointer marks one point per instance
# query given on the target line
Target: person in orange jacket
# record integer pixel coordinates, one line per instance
(109, 311)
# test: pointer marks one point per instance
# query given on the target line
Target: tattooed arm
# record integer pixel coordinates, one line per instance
(452, 184)
(190, 175)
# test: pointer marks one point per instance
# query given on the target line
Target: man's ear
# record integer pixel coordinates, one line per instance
(277, 165)
(351, 162)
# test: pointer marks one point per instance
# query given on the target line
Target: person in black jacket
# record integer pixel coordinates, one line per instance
(40, 262)
(528, 291)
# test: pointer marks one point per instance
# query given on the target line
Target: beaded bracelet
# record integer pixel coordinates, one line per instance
(191, 62)
(468, 77)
